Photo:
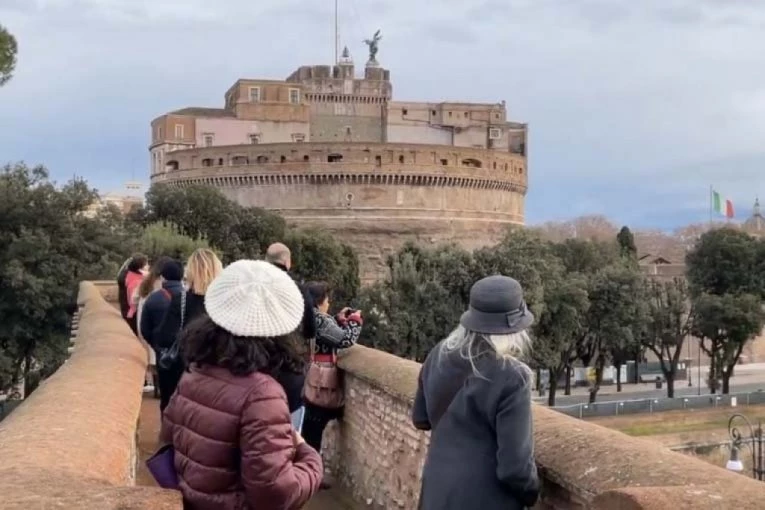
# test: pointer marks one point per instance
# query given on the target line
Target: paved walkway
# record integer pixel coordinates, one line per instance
(746, 378)
(148, 434)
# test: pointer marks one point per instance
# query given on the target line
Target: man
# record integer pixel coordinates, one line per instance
(279, 255)
(122, 289)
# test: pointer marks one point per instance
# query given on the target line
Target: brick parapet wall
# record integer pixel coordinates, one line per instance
(377, 454)
(72, 444)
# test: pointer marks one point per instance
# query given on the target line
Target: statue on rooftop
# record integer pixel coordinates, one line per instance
(372, 43)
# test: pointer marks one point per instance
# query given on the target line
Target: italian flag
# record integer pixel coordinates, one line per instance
(722, 206)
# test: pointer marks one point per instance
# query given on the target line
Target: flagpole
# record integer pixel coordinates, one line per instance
(711, 205)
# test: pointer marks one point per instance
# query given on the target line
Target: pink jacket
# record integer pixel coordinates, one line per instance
(132, 281)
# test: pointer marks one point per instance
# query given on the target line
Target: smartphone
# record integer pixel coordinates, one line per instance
(297, 419)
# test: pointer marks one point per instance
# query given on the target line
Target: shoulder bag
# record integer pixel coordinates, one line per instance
(169, 357)
(323, 383)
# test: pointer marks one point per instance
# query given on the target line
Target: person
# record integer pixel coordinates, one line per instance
(136, 269)
(202, 267)
(474, 395)
(122, 296)
(332, 334)
(279, 255)
(152, 282)
(228, 421)
(153, 313)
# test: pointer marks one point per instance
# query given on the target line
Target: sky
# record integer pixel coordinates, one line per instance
(634, 108)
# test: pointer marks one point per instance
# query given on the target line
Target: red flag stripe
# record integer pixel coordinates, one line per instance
(729, 209)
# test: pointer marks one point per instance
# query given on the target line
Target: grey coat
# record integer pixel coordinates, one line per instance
(481, 451)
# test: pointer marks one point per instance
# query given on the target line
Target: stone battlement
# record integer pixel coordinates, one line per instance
(71, 444)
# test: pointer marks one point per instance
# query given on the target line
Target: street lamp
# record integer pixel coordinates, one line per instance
(754, 442)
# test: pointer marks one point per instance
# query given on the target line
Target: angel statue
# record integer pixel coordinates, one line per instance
(372, 43)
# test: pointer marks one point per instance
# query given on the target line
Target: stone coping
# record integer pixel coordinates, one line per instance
(602, 467)
(71, 444)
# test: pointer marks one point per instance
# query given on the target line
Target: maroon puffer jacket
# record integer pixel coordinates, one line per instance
(233, 444)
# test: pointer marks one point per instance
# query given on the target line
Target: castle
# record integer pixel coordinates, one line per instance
(326, 148)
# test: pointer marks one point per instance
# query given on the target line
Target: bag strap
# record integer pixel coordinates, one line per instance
(312, 344)
(183, 307)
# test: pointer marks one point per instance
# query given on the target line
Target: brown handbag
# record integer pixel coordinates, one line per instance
(324, 383)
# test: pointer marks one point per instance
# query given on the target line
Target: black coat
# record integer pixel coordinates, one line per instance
(154, 310)
(122, 292)
(481, 452)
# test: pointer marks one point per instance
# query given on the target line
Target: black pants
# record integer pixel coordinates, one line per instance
(168, 381)
(133, 323)
(315, 421)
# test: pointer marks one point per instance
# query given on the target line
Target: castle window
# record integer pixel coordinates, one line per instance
(240, 160)
(450, 114)
(207, 162)
(404, 112)
(172, 165)
(433, 113)
(494, 165)
(401, 159)
(495, 133)
(306, 158)
(471, 162)
(334, 158)
(378, 160)
(254, 94)
(298, 137)
(444, 162)
(254, 139)
(209, 139)
(220, 161)
(282, 159)
(262, 159)
(179, 131)
(295, 96)
(466, 115)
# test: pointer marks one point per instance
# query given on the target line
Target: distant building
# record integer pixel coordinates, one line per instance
(327, 148)
(755, 225)
(125, 201)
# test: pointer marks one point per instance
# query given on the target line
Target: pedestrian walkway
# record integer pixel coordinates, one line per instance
(148, 434)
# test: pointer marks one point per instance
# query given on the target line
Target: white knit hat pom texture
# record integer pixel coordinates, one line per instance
(255, 298)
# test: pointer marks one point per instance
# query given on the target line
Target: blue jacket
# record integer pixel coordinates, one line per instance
(154, 311)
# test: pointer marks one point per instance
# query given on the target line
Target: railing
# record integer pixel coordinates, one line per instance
(658, 405)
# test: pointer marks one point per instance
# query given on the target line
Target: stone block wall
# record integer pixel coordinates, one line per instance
(72, 443)
(378, 455)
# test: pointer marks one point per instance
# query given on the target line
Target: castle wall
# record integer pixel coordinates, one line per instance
(226, 131)
(375, 196)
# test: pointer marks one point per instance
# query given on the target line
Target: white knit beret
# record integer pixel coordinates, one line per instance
(255, 298)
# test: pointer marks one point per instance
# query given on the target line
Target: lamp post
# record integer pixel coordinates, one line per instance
(754, 441)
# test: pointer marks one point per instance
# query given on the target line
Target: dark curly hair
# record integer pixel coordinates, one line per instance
(205, 343)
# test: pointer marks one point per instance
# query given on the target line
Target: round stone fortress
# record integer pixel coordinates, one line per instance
(325, 149)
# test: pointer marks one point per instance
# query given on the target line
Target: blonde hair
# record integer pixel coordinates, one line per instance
(509, 348)
(202, 268)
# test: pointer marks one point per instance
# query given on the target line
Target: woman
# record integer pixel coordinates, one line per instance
(151, 282)
(474, 393)
(332, 334)
(229, 423)
(138, 266)
(202, 267)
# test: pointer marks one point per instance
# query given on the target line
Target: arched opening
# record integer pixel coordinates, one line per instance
(220, 161)
(261, 159)
(401, 159)
(240, 160)
(306, 158)
(471, 162)
(378, 160)
(334, 158)
(171, 165)
(282, 159)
